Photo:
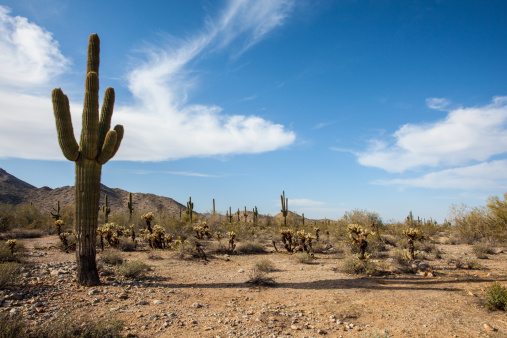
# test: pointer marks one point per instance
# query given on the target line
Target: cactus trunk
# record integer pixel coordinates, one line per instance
(87, 194)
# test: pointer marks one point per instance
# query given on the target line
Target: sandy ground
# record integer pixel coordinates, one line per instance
(190, 298)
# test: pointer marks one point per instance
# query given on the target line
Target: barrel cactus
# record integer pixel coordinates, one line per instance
(97, 145)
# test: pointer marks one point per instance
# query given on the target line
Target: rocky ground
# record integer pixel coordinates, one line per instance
(191, 298)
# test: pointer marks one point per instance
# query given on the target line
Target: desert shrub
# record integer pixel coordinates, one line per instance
(219, 248)
(12, 326)
(265, 265)
(259, 277)
(9, 272)
(126, 245)
(69, 326)
(460, 262)
(17, 233)
(471, 224)
(302, 257)
(355, 266)
(111, 257)
(473, 264)
(496, 297)
(133, 269)
(482, 250)
(29, 216)
(389, 239)
(250, 247)
(11, 250)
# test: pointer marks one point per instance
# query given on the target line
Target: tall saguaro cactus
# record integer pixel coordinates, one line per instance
(106, 210)
(97, 145)
(285, 208)
(130, 206)
(190, 208)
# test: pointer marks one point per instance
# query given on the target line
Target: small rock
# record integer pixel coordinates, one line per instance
(320, 331)
(196, 305)
(470, 293)
(158, 302)
(92, 292)
(122, 296)
(488, 327)
(241, 270)
(295, 328)
(143, 302)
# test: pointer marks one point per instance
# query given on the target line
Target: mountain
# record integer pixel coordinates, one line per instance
(15, 191)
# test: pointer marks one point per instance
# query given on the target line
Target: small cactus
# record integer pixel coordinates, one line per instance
(11, 244)
(285, 208)
(413, 235)
(59, 225)
(148, 218)
(358, 237)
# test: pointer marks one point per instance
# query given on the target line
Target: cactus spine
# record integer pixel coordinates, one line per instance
(285, 208)
(130, 206)
(190, 208)
(97, 145)
(106, 210)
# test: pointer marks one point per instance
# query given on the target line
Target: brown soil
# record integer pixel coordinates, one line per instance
(306, 301)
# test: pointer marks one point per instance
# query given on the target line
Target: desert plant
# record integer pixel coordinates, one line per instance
(353, 265)
(496, 297)
(12, 326)
(9, 272)
(11, 244)
(57, 214)
(232, 245)
(358, 237)
(111, 257)
(285, 208)
(302, 257)
(259, 277)
(255, 215)
(97, 146)
(482, 250)
(148, 218)
(106, 210)
(73, 326)
(265, 265)
(287, 239)
(59, 224)
(413, 235)
(250, 247)
(190, 208)
(133, 269)
(130, 206)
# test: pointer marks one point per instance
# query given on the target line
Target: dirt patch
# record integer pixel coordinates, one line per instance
(191, 298)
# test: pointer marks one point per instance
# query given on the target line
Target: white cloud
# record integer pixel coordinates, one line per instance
(465, 135)
(483, 176)
(160, 125)
(29, 55)
(303, 202)
(178, 173)
(437, 103)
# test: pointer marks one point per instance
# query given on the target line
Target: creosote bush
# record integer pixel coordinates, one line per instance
(250, 247)
(111, 257)
(482, 250)
(303, 257)
(259, 278)
(133, 269)
(496, 297)
(265, 265)
(9, 273)
(353, 265)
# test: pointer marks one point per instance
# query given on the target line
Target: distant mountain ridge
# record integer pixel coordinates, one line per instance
(15, 191)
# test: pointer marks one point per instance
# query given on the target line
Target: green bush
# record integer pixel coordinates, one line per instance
(496, 297)
(9, 272)
(259, 277)
(133, 269)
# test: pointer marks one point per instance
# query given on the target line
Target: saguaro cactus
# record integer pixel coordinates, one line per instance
(130, 206)
(98, 145)
(285, 208)
(57, 214)
(213, 207)
(190, 208)
(106, 210)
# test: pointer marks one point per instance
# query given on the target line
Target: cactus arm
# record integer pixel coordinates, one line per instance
(108, 149)
(93, 59)
(105, 116)
(119, 136)
(66, 138)
(89, 132)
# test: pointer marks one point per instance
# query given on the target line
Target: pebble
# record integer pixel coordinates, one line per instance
(158, 302)
(488, 327)
(196, 305)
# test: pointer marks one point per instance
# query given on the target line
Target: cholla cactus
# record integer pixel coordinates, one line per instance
(64, 238)
(413, 235)
(11, 244)
(112, 233)
(358, 237)
(287, 239)
(59, 224)
(133, 234)
(232, 245)
(218, 235)
(317, 230)
(148, 218)
(158, 237)
(199, 232)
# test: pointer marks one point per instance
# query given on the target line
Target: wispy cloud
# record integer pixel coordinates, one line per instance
(437, 103)
(161, 124)
(178, 173)
(304, 202)
(322, 125)
(483, 176)
(465, 135)
(29, 55)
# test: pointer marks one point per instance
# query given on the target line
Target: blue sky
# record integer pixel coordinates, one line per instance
(388, 106)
